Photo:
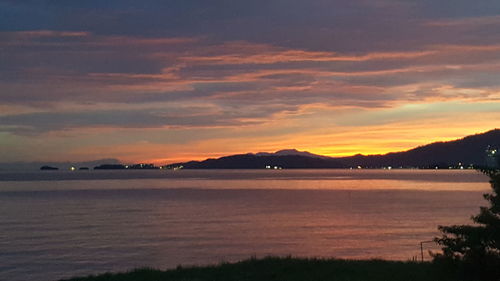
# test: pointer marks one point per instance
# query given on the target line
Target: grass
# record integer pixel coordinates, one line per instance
(288, 269)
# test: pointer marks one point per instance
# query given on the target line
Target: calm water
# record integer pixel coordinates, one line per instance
(57, 225)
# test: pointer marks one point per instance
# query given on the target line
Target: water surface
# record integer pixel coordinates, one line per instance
(57, 225)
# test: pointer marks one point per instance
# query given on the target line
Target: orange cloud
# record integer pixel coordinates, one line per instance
(252, 97)
(271, 55)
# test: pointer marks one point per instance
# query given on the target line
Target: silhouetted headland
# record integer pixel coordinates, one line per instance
(466, 153)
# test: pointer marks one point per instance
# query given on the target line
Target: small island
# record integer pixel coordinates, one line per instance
(48, 168)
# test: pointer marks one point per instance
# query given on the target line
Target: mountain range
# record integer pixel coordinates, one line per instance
(471, 151)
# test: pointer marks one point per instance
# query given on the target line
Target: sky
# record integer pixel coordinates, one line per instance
(168, 81)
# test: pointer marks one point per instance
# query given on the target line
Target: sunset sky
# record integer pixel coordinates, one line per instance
(167, 81)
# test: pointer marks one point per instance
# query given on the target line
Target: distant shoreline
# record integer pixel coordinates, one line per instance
(232, 174)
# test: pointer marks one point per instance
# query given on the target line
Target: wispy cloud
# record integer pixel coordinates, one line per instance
(467, 21)
(235, 77)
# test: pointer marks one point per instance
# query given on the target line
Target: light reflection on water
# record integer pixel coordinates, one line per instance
(52, 229)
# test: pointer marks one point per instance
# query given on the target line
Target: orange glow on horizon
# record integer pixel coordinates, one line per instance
(376, 146)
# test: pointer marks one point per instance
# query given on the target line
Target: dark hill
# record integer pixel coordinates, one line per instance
(251, 161)
(470, 150)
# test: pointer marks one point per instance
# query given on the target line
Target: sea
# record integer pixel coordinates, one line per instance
(57, 224)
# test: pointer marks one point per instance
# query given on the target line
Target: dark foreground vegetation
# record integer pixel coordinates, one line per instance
(475, 249)
(291, 269)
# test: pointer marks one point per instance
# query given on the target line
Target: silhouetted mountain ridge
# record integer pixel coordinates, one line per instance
(288, 152)
(252, 161)
(467, 151)
(470, 150)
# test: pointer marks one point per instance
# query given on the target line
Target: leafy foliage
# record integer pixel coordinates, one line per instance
(475, 249)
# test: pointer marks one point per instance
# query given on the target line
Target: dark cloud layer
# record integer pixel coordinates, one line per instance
(334, 25)
(36, 123)
(76, 65)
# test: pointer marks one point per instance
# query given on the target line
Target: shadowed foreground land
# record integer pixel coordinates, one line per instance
(289, 269)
